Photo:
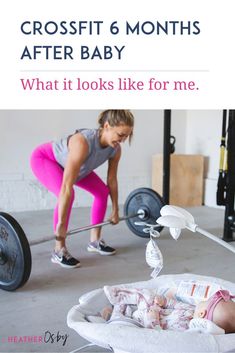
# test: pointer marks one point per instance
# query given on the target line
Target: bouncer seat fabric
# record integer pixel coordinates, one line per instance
(124, 337)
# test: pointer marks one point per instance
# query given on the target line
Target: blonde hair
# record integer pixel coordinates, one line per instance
(117, 118)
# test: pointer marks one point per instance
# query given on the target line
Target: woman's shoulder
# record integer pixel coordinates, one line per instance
(88, 133)
(90, 136)
(78, 140)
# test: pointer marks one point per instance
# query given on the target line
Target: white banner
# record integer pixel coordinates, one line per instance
(92, 55)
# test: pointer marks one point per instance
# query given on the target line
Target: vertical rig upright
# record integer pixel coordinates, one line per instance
(166, 156)
(229, 217)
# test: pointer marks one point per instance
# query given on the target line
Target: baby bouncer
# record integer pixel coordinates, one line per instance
(123, 337)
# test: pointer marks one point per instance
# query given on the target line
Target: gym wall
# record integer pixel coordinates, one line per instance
(21, 131)
(203, 135)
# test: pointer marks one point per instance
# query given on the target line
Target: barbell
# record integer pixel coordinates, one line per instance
(142, 207)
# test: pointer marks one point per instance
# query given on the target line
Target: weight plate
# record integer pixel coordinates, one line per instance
(143, 199)
(15, 254)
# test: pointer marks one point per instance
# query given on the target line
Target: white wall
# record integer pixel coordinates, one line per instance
(21, 131)
(196, 131)
(203, 134)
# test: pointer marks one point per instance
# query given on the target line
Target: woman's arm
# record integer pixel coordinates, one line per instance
(113, 185)
(78, 151)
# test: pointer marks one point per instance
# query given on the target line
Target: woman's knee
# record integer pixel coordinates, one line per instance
(72, 196)
(102, 192)
(106, 191)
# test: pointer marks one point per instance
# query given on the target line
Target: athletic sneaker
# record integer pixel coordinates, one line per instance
(101, 248)
(64, 259)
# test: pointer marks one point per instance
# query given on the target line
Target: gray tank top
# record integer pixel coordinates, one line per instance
(97, 154)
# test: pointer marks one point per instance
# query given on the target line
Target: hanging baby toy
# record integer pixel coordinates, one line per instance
(153, 254)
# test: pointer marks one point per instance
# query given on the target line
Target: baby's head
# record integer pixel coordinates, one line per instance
(220, 309)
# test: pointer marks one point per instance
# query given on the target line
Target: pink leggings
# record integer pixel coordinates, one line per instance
(50, 174)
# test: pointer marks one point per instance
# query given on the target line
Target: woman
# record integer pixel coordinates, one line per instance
(71, 161)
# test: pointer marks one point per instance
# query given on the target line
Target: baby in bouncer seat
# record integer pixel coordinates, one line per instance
(167, 311)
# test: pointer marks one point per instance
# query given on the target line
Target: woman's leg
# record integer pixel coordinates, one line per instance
(93, 184)
(50, 174)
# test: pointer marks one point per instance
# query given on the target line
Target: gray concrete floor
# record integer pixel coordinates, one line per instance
(42, 304)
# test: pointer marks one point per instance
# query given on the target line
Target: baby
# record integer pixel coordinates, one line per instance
(147, 307)
(220, 309)
(166, 311)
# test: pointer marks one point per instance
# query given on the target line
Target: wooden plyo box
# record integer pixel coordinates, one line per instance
(186, 178)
